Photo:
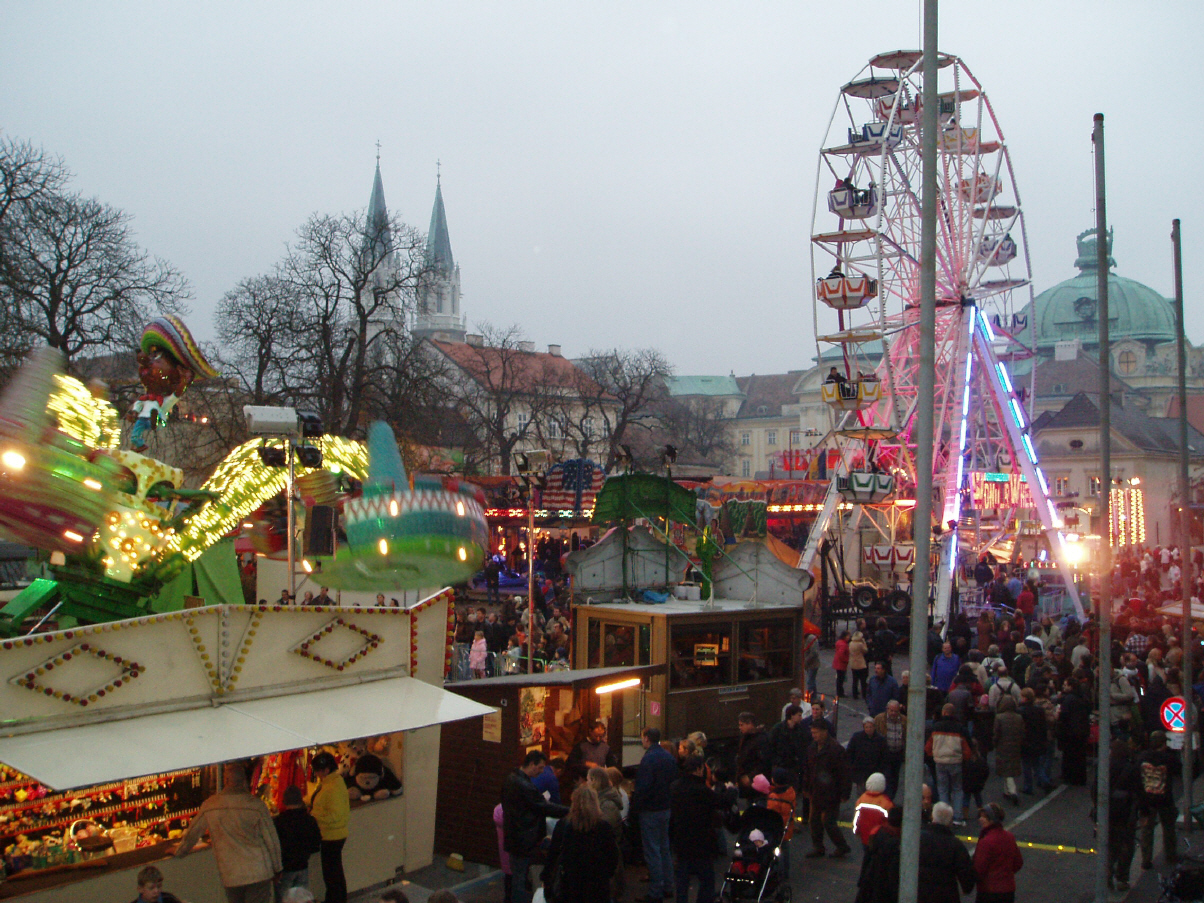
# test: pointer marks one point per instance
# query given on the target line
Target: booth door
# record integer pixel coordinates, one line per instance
(623, 645)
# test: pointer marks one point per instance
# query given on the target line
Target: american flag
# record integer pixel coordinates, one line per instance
(572, 485)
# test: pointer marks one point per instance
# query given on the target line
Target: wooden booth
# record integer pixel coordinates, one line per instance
(551, 712)
(711, 661)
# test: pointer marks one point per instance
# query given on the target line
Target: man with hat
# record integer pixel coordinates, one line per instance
(826, 782)
(996, 857)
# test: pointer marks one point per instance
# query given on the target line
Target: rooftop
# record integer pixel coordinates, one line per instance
(513, 369)
(764, 396)
(1149, 434)
(717, 386)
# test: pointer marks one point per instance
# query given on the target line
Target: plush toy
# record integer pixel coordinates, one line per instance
(372, 779)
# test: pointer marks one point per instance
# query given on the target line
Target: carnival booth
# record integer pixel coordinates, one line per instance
(551, 712)
(112, 733)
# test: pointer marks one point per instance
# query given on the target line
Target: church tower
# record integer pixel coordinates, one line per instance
(378, 236)
(438, 314)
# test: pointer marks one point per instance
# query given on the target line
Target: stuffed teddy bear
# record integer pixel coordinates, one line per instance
(372, 779)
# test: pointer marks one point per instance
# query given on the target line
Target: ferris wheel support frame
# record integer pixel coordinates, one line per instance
(1014, 420)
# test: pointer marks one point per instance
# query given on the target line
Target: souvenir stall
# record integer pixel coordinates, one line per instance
(551, 712)
(114, 732)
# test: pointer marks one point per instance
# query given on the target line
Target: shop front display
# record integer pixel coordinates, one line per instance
(113, 734)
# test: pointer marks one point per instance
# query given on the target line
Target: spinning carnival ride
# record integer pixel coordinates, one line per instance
(865, 258)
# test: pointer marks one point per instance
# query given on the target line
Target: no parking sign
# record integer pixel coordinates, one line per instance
(1174, 714)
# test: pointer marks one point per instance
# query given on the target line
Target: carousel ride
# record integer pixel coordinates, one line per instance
(865, 257)
(115, 525)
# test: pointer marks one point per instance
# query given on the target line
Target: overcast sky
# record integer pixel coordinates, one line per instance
(634, 174)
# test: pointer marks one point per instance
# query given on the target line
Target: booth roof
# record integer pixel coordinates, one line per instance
(577, 678)
(683, 607)
(168, 741)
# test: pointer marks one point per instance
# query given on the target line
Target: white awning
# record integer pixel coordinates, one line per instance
(152, 744)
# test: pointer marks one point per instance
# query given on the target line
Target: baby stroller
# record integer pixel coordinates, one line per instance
(755, 873)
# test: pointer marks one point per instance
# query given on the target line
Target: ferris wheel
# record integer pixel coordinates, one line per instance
(865, 259)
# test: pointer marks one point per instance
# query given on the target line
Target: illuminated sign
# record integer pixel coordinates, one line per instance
(999, 490)
(706, 655)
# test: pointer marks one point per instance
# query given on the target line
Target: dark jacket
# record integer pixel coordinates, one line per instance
(1074, 719)
(974, 775)
(496, 635)
(299, 837)
(1156, 769)
(586, 860)
(826, 774)
(653, 780)
(879, 881)
(695, 809)
(944, 864)
(1124, 788)
(996, 861)
(884, 645)
(786, 746)
(525, 813)
(1036, 731)
(866, 754)
(1010, 734)
(751, 754)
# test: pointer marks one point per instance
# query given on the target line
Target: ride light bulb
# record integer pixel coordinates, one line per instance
(13, 460)
(393, 508)
(460, 510)
(383, 545)
(463, 554)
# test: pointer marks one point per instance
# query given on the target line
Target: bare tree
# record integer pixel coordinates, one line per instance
(698, 428)
(356, 292)
(633, 381)
(262, 331)
(71, 273)
(502, 391)
(77, 280)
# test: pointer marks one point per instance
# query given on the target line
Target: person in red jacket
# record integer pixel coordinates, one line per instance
(840, 661)
(996, 858)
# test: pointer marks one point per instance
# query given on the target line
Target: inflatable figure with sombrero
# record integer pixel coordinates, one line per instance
(169, 360)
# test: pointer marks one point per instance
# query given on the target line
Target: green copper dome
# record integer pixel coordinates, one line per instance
(1069, 310)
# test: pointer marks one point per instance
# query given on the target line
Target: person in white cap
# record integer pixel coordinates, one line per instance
(872, 808)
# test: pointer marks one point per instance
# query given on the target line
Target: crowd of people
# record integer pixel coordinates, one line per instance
(494, 638)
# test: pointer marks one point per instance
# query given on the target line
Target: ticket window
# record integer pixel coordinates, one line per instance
(618, 645)
(700, 656)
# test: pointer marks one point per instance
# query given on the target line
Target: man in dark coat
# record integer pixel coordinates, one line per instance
(651, 802)
(787, 742)
(883, 647)
(1156, 769)
(879, 879)
(944, 861)
(867, 752)
(693, 822)
(750, 752)
(524, 821)
(826, 783)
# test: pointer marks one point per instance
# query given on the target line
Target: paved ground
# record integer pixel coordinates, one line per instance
(1046, 821)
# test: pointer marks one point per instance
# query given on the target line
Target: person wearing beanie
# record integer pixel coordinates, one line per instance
(760, 784)
(300, 838)
(997, 859)
(873, 806)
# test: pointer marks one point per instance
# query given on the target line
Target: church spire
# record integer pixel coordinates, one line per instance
(438, 313)
(438, 241)
(377, 247)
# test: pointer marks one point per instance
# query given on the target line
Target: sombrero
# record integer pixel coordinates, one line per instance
(170, 334)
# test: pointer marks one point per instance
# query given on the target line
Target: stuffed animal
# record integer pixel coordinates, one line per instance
(372, 779)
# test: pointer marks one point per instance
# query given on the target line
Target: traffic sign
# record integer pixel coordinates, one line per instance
(1174, 714)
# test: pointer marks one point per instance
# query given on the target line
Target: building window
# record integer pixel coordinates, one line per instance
(1093, 487)
(523, 418)
(746, 438)
(1061, 486)
(796, 437)
(746, 468)
(587, 427)
(1126, 363)
(554, 431)
(766, 651)
(700, 656)
(771, 437)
